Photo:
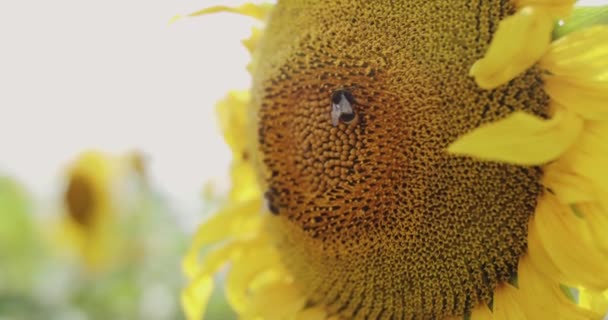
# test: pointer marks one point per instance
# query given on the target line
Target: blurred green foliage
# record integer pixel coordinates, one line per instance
(20, 248)
(582, 17)
(38, 281)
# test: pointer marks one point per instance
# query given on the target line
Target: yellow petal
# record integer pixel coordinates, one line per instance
(595, 170)
(539, 257)
(278, 301)
(257, 11)
(569, 243)
(196, 295)
(558, 8)
(588, 99)
(521, 139)
(542, 297)
(581, 55)
(252, 42)
(568, 186)
(519, 42)
(232, 115)
(233, 221)
(589, 156)
(258, 260)
(506, 304)
(594, 300)
(480, 312)
(244, 182)
(596, 217)
(578, 66)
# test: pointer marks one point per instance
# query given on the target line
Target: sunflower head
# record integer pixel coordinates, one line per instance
(81, 200)
(374, 197)
(418, 160)
(92, 205)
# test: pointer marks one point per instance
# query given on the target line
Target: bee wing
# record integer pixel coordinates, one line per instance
(339, 109)
(335, 114)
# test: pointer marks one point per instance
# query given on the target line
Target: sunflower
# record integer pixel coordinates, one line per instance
(92, 206)
(414, 160)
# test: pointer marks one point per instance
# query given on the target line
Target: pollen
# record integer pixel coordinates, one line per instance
(372, 214)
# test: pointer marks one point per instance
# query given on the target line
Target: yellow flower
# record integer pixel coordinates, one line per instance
(419, 160)
(92, 206)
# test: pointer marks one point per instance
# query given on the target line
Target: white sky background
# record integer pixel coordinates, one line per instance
(114, 75)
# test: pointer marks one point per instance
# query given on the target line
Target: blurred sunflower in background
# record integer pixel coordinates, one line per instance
(110, 248)
(415, 160)
(101, 199)
(120, 240)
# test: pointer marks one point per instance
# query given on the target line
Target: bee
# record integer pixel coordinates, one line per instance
(342, 102)
(271, 199)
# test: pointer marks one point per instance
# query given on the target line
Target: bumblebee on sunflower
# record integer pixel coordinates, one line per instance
(414, 160)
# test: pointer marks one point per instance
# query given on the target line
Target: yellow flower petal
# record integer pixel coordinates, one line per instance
(594, 300)
(579, 56)
(539, 257)
(196, 295)
(542, 297)
(507, 305)
(578, 66)
(480, 312)
(252, 42)
(244, 182)
(257, 11)
(589, 156)
(518, 43)
(568, 242)
(233, 221)
(232, 115)
(277, 301)
(521, 139)
(245, 270)
(558, 8)
(567, 185)
(589, 100)
(232, 112)
(596, 217)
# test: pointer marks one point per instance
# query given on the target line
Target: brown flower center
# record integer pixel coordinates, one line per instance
(80, 200)
(374, 218)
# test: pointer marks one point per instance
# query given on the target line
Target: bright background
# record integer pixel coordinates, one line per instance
(114, 75)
